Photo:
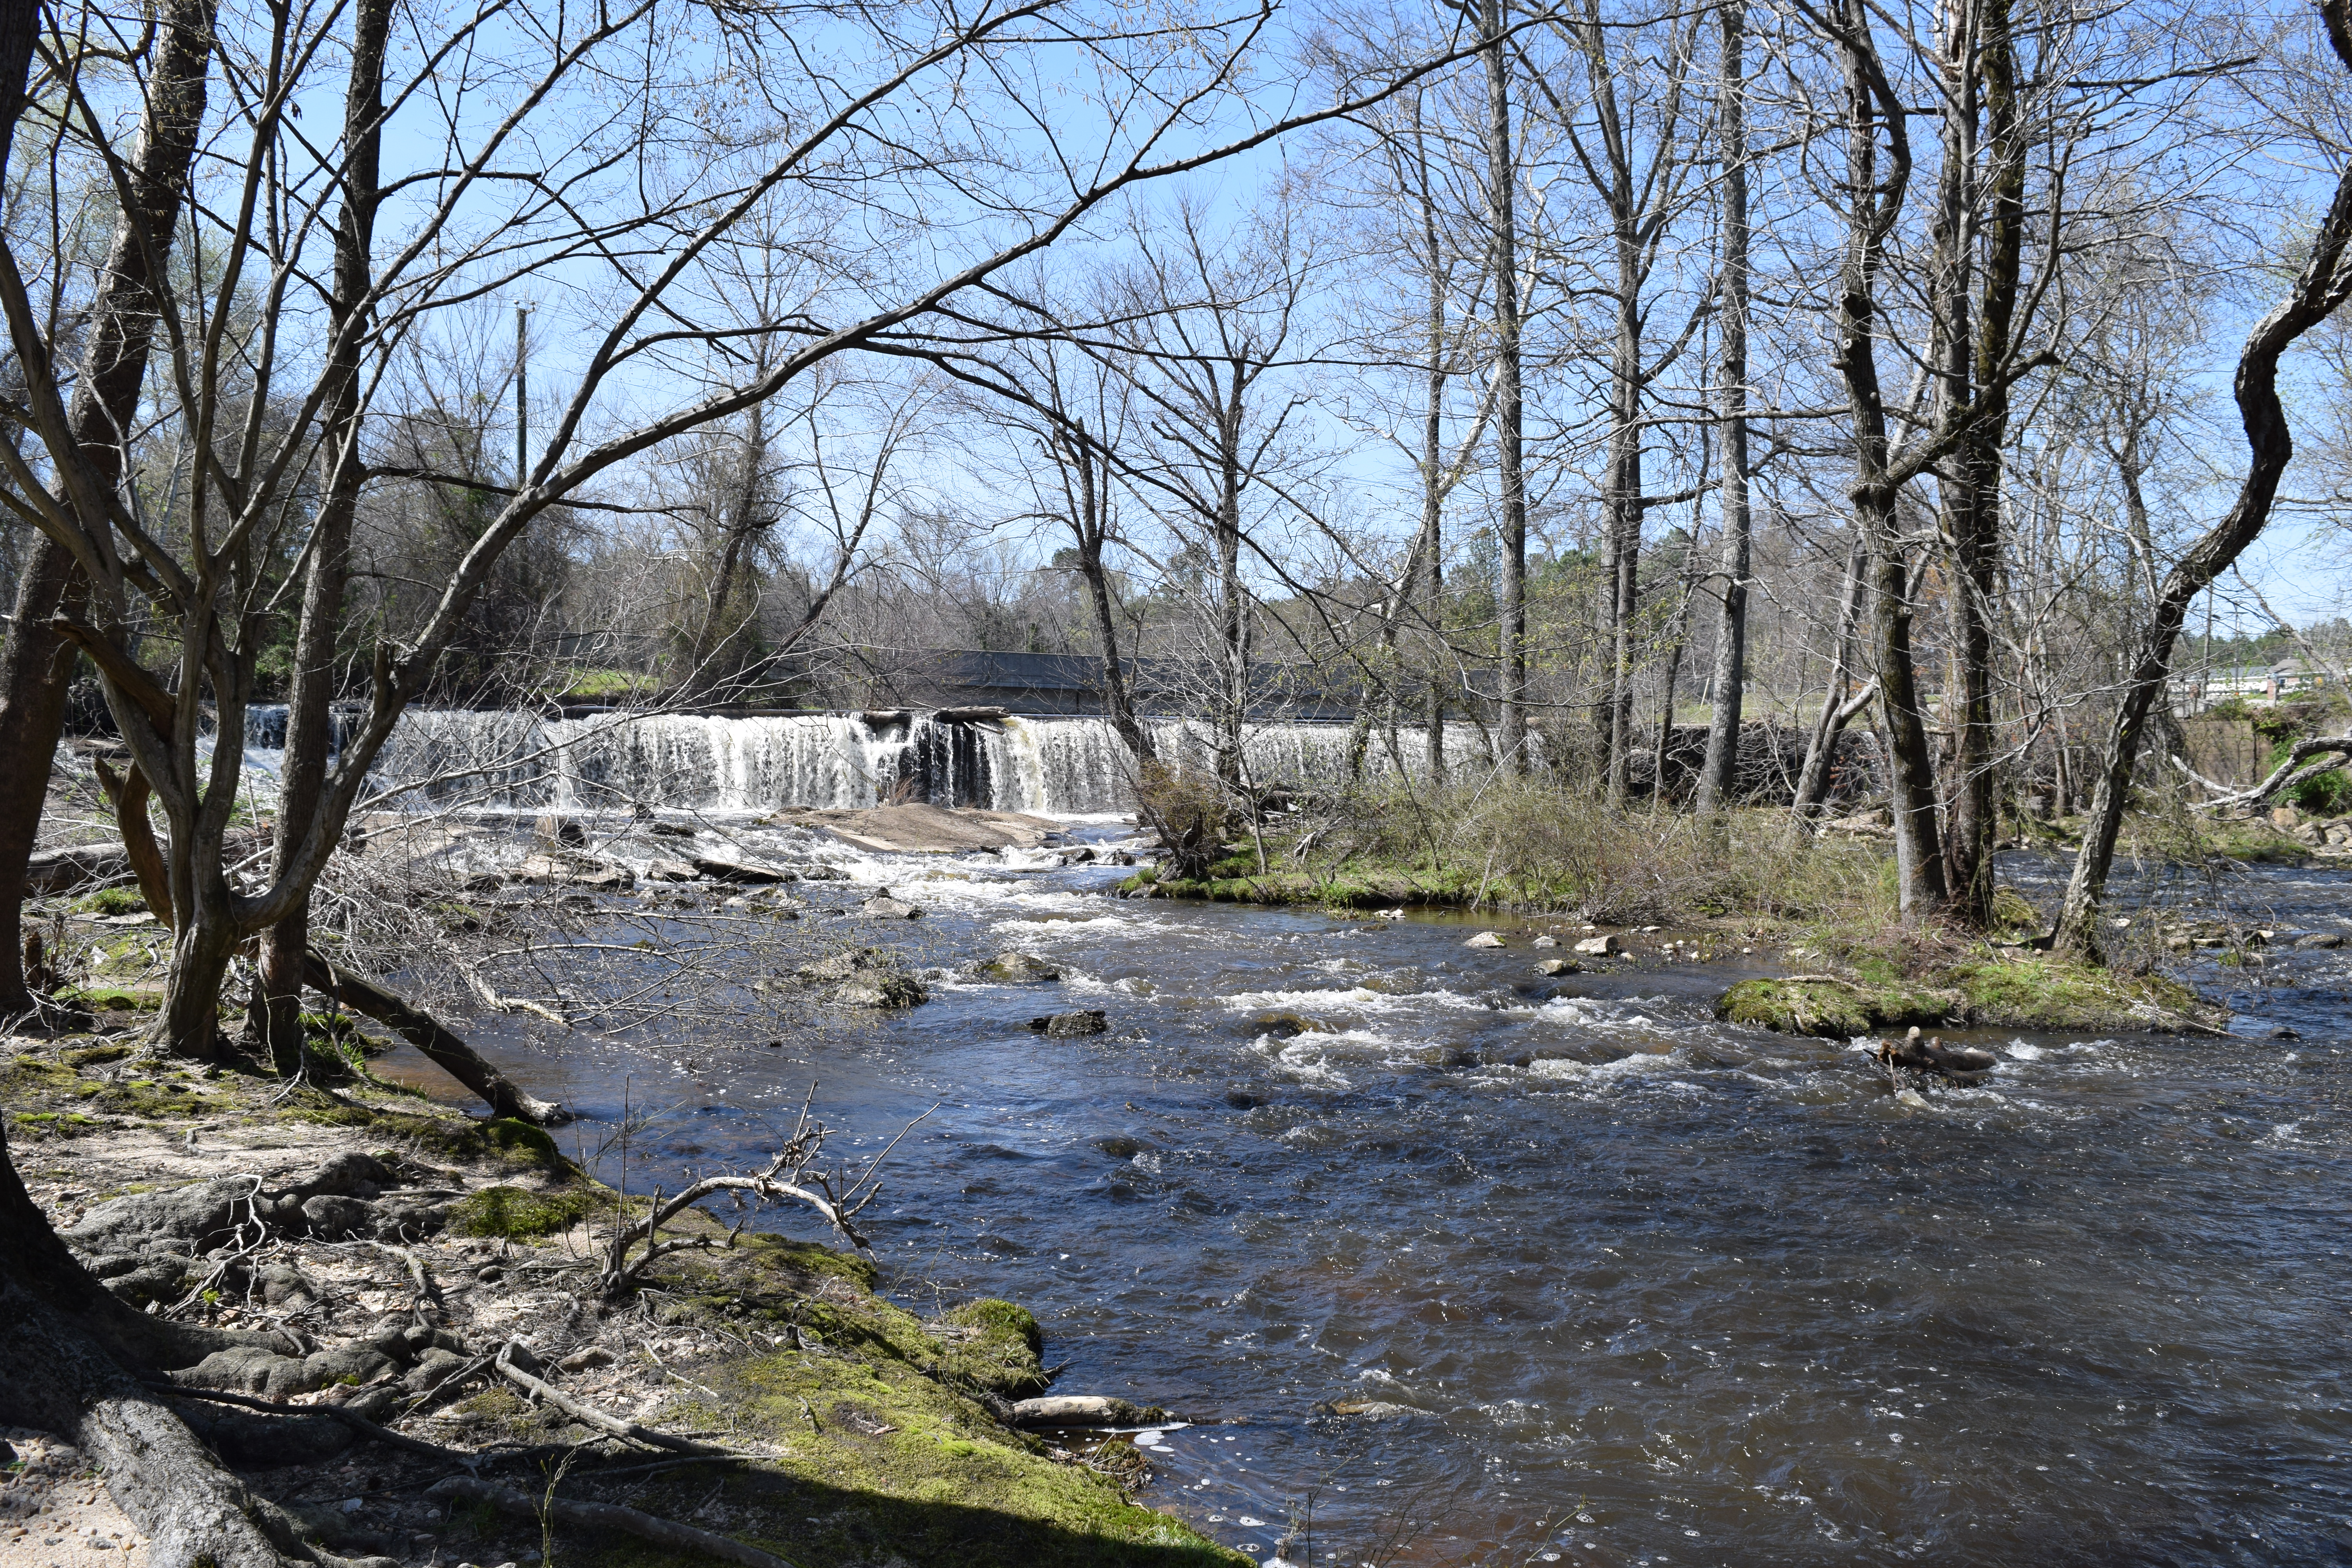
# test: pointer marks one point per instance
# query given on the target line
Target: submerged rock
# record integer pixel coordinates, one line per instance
(1371, 1410)
(730, 868)
(1017, 968)
(1068, 1026)
(865, 977)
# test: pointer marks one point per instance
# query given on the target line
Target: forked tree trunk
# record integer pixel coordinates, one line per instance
(2321, 287)
(37, 663)
(1874, 203)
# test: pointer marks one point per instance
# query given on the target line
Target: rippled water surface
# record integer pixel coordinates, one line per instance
(1640, 1286)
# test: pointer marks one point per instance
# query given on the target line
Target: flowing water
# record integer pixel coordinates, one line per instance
(1631, 1286)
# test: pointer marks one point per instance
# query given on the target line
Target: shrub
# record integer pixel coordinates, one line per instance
(1190, 812)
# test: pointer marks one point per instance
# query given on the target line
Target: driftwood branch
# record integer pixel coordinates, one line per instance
(838, 1198)
(606, 1516)
(612, 1426)
(2295, 769)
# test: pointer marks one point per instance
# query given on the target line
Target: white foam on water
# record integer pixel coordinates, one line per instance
(1362, 997)
(2023, 1052)
(1639, 1065)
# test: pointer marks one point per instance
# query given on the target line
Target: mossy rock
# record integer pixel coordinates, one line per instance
(2012, 911)
(520, 1213)
(880, 1462)
(499, 1139)
(111, 901)
(1003, 1354)
(108, 998)
(1833, 1009)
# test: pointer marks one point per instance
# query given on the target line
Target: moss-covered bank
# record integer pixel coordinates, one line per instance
(876, 1435)
(2028, 991)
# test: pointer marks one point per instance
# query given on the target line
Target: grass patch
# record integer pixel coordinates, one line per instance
(521, 1214)
(111, 901)
(1526, 845)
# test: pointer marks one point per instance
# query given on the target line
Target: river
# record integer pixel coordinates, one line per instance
(1639, 1287)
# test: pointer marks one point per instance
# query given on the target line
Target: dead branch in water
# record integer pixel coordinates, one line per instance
(838, 1196)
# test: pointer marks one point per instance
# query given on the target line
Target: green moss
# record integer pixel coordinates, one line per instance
(909, 1469)
(2256, 843)
(2032, 990)
(2039, 992)
(91, 1056)
(111, 901)
(1830, 1009)
(109, 998)
(520, 1213)
(1003, 1354)
(2012, 911)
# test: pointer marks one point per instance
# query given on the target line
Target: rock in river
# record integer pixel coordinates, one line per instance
(1018, 969)
(883, 907)
(1599, 946)
(1068, 1026)
(1485, 939)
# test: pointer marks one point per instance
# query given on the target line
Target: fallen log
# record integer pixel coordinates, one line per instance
(77, 866)
(444, 1049)
(1083, 1410)
(606, 1516)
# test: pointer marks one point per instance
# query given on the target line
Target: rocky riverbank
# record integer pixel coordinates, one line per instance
(450, 1364)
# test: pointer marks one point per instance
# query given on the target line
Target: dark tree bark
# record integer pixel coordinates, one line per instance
(2319, 290)
(35, 664)
(68, 1351)
(309, 718)
(1974, 394)
(1730, 677)
(122, 322)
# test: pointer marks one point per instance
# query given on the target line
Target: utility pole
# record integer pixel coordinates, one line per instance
(522, 407)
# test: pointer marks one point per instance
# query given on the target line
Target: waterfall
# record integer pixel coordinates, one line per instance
(1051, 766)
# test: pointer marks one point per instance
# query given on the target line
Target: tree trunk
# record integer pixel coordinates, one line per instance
(1093, 522)
(1717, 774)
(1511, 591)
(310, 715)
(444, 1049)
(2325, 280)
(35, 664)
(36, 670)
(1872, 206)
(65, 1345)
(1972, 493)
